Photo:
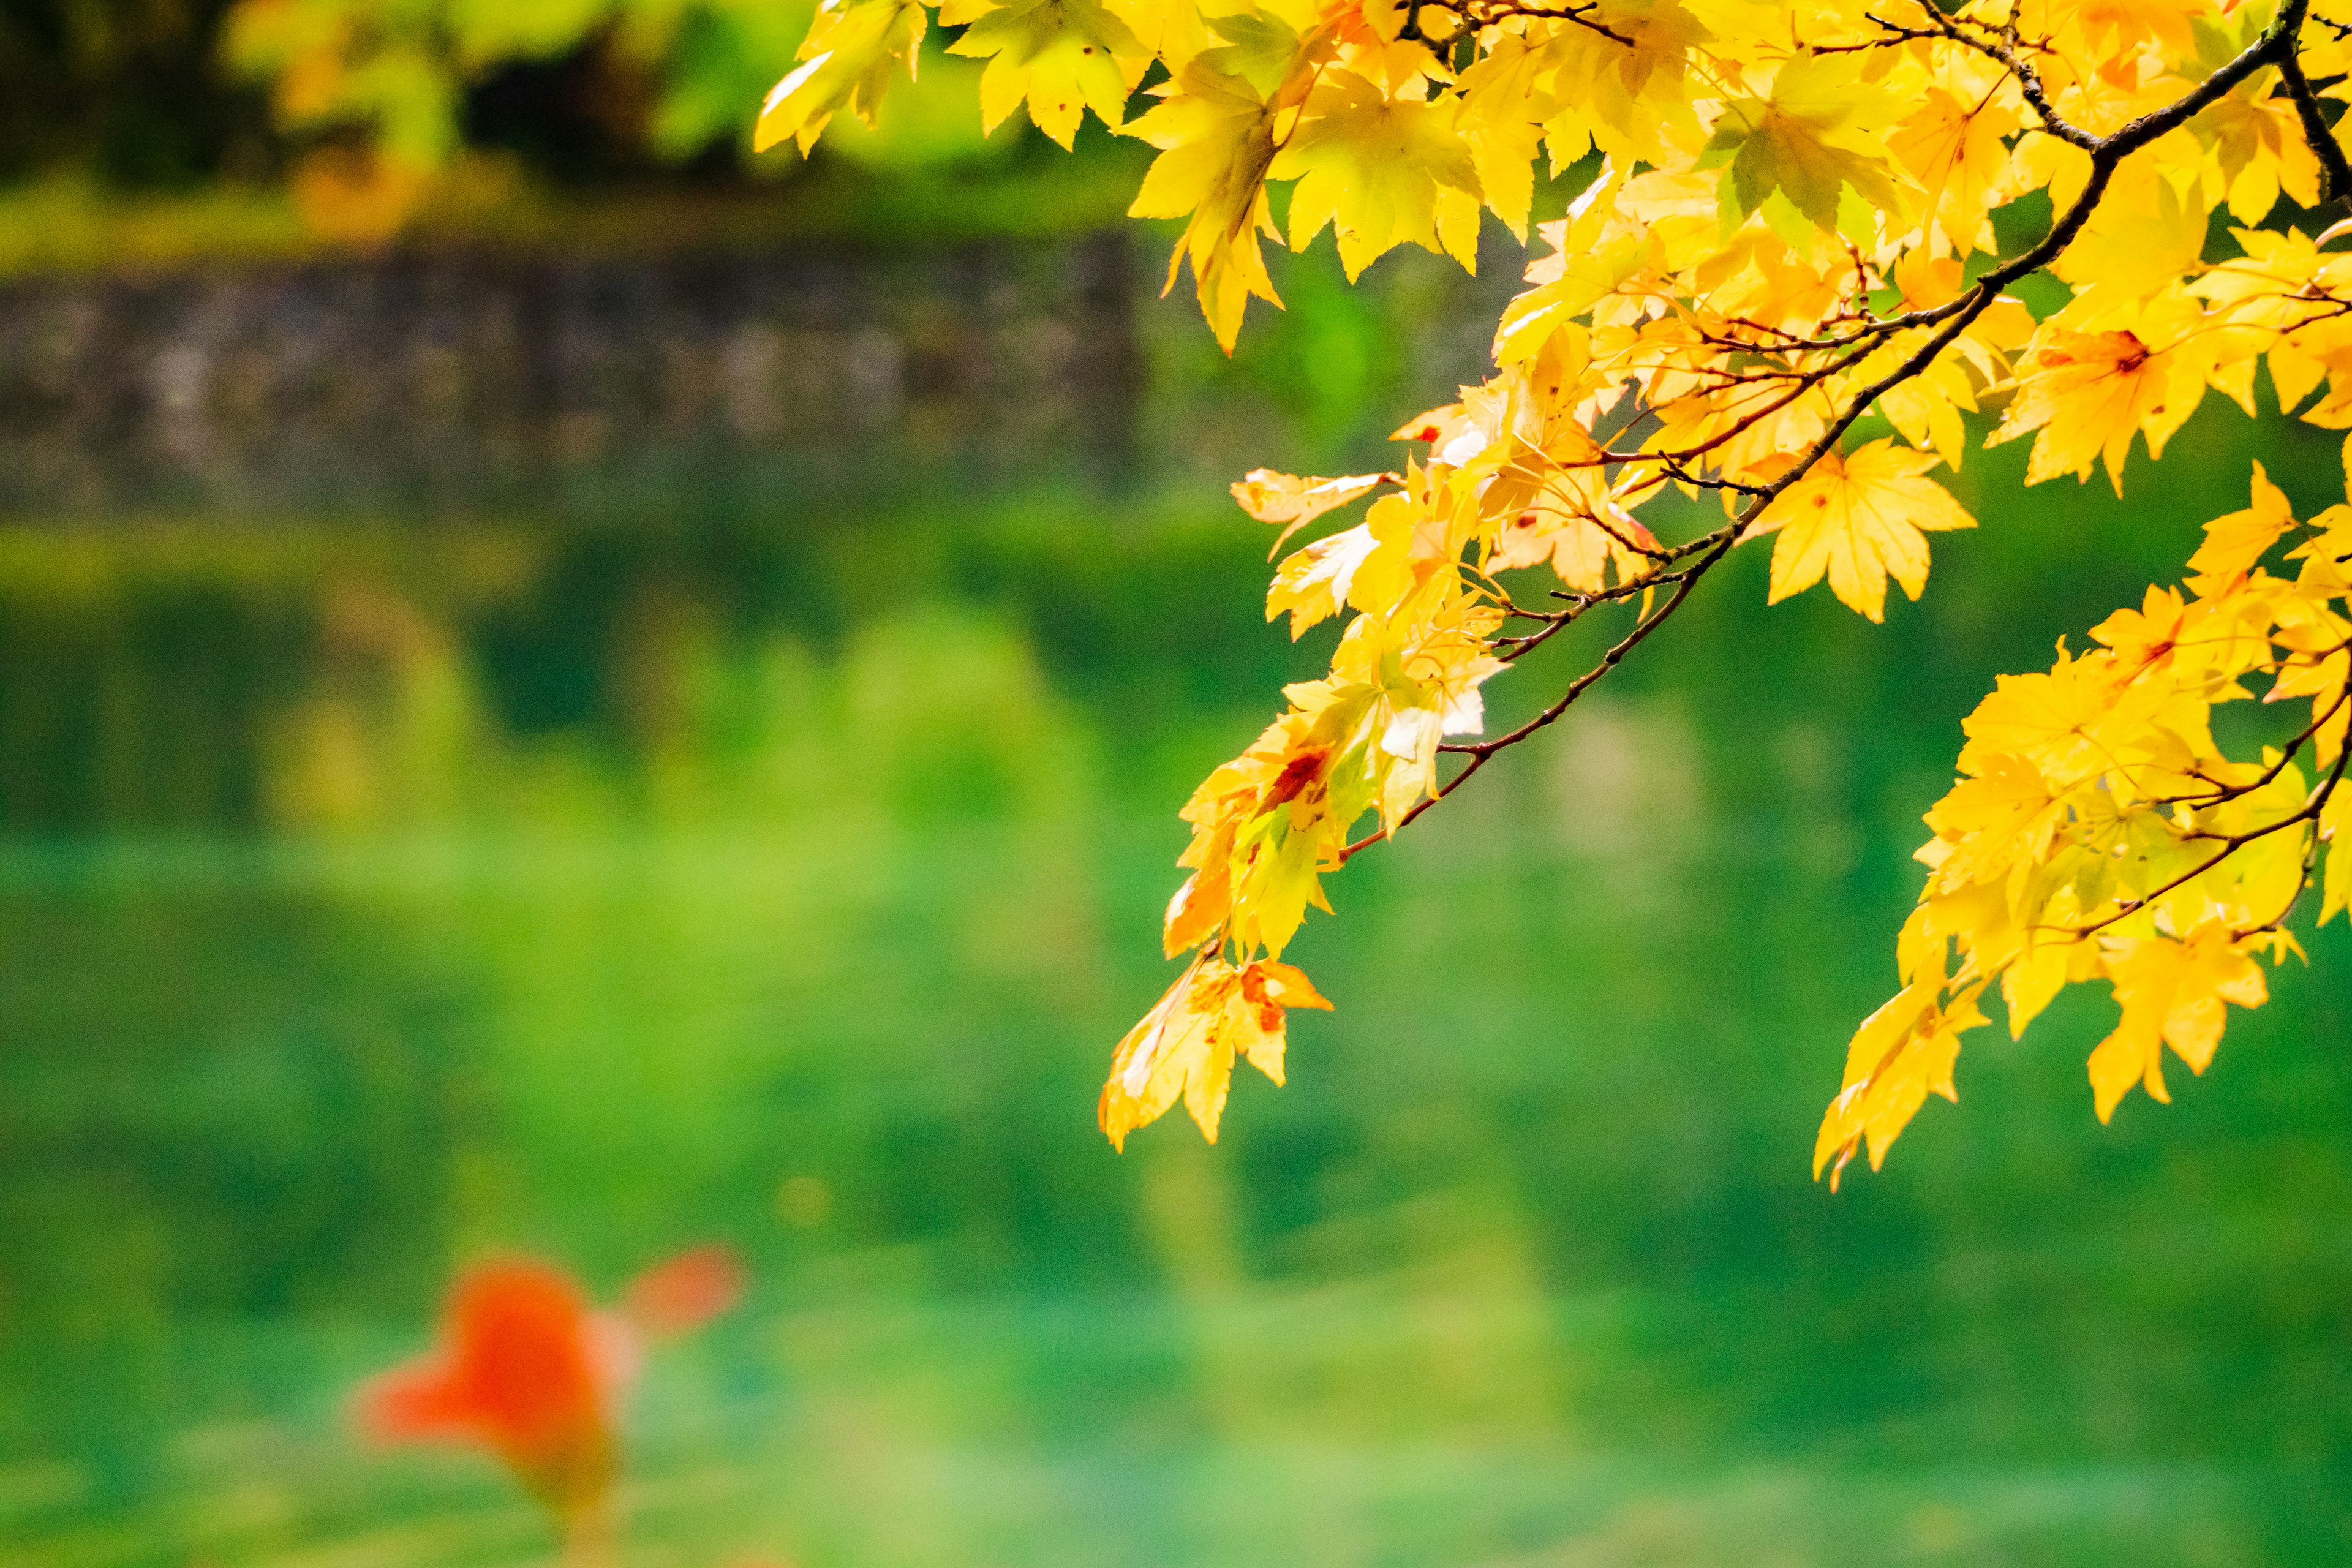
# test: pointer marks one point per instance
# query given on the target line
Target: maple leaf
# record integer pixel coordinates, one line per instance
(1424, 664)
(1992, 822)
(1586, 267)
(1316, 581)
(1286, 499)
(1184, 1047)
(1902, 1054)
(847, 62)
(1381, 172)
(1504, 106)
(2171, 993)
(2088, 393)
(1957, 154)
(2336, 828)
(1856, 519)
(1627, 94)
(2053, 719)
(2122, 24)
(1215, 133)
(2145, 235)
(1061, 57)
(1813, 141)
(2235, 542)
(2260, 150)
(1576, 525)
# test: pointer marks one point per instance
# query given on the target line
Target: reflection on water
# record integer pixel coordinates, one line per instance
(373, 901)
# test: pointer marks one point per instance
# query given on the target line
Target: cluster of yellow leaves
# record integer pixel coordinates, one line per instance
(1790, 225)
(1185, 1046)
(2098, 832)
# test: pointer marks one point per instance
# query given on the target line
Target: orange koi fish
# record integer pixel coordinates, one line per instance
(529, 1371)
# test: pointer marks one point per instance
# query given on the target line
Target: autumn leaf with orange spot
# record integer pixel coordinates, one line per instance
(1185, 1046)
(1857, 519)
(2088, 393)
(1060, 58)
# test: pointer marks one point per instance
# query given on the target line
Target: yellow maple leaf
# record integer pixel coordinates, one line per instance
(1262, 822)
(2116, 26)
(1381, 172)
(1958, 153)
(2235, 542)
(2088, 393)
(1504, 106)
(2260, 150)
(1186, 1044)
(2336, 828)
(1992, 821)
(2145, 235)
(1316, 579)
(2052, 719)
(2171, 993)
(1215, 133)
(1582, 532)
(1857, 518)
(1902, 1054)
(1811, 141)
(847, 62)
(1423, 663)
(1062, 56)
(1286, 499)
(1629, 93)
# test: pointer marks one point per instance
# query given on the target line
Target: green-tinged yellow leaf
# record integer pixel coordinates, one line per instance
(1215, 133)
(2336, 828)
(847, 62)
(1381, 172)
(1902, 1054)
(1060, 56)
(1184, 1047)
(1817, 136)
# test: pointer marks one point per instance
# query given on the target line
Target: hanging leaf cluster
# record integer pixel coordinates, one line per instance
(1790, 228)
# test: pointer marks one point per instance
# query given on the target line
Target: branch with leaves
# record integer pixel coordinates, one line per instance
(1790, 230)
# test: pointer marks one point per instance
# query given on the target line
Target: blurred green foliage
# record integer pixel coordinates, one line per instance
(168, 92)
(583, 86)
(156, 131)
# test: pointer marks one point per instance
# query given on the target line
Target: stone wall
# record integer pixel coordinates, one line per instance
(412, 382)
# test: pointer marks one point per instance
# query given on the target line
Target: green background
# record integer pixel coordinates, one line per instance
(778, 865)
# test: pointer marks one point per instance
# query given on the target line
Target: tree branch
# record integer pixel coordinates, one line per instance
(1950, 320)
(2312, 806)
(2316, 131)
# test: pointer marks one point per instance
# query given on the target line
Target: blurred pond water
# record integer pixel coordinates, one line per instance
(710, 861)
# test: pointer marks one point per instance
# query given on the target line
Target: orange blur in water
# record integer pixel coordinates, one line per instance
(529, 1371)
